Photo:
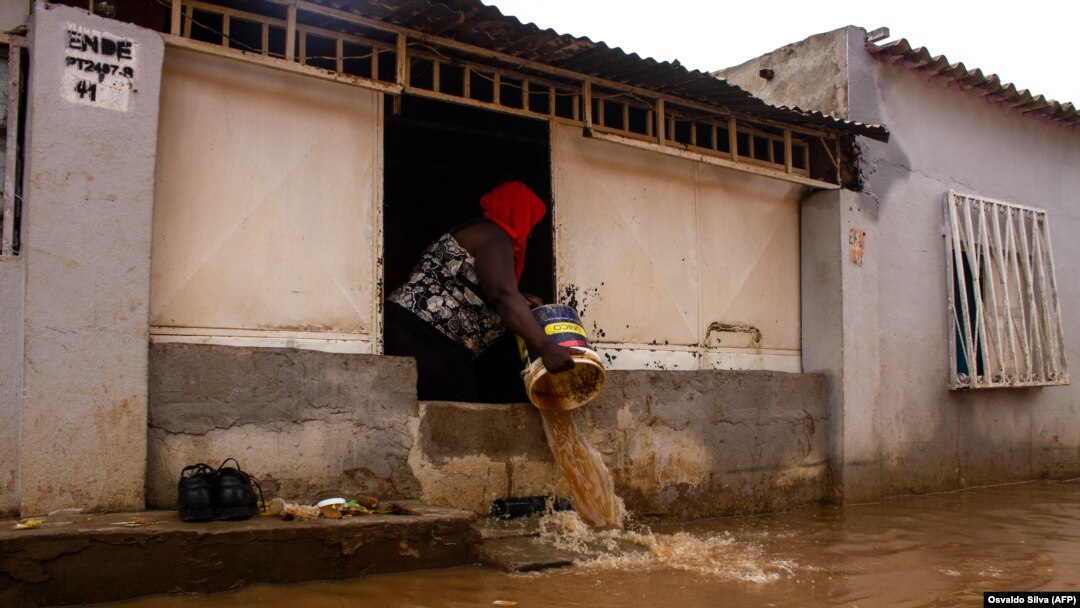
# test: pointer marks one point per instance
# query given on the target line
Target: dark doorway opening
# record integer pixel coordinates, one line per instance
(439, 159)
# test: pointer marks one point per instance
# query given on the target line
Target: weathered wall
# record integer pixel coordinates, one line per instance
(878, 327)
(946, 138)
(840, 292)
(14, 14)
(694, 247)
(308, 424)
(89, 195)
(12, 276)
(679, 444)
(810, 74)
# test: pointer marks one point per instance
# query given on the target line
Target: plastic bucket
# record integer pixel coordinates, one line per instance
(568, 390)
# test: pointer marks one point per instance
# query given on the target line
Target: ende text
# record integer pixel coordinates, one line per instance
(107, 58)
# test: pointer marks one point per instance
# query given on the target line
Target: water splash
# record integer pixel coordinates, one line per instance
(716, 555)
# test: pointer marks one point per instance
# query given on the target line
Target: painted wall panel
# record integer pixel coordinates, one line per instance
(266, 214)
(750, 257)
(653, 249)
(626, 240)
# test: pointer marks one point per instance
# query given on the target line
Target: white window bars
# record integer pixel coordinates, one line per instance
(1003, 297)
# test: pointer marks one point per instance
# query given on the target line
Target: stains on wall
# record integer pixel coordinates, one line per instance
(856, 246)
(679, 444)
(306, 423)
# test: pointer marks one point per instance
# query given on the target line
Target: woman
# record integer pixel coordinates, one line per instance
(463, 294)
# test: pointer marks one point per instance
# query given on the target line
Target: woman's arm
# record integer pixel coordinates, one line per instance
(494, 257)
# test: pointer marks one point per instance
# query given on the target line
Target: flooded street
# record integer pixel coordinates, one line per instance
(939, 550)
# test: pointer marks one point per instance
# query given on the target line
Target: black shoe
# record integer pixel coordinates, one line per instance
(233, 495)
(195, 493)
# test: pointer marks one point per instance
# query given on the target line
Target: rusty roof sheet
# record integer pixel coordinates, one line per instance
(472, 22)
(988, 86)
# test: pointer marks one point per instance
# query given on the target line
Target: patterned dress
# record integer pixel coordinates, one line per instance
(444, 292)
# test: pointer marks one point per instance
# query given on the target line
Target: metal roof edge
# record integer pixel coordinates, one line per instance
(484, 25)
(988, 86)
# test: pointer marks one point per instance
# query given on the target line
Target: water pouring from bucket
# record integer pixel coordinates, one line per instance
(556, 396)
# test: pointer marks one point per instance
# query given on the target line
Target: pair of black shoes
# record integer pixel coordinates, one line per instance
(205, 493)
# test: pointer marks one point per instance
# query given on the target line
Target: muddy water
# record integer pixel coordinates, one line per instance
(942, 550)
(591, 487)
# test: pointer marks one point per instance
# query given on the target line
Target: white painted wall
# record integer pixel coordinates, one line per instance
(267, 218)
(654, 249)
(945, 138)
(880, 330)
(88, 203)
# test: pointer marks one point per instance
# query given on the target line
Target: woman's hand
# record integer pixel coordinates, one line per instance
(533, 301)
(557, 358)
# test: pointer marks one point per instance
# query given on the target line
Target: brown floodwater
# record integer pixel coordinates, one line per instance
(939, 550)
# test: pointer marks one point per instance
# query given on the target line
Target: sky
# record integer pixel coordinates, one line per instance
(1033, 45)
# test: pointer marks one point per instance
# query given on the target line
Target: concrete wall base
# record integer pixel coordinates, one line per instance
(307, 424)
(680, 445)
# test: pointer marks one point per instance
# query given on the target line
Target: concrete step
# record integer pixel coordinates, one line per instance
(513, 545)
(76, 558)
(524, 554)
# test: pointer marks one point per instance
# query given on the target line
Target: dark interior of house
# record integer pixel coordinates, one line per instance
(439, 159)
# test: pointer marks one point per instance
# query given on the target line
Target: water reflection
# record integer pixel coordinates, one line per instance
(941, 550)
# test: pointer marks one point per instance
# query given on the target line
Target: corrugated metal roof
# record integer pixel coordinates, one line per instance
(474, 23)
(989, 86)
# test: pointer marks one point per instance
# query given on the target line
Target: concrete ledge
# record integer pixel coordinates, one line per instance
(97, 559)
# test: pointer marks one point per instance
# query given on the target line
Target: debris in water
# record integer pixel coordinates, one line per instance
(29, 524)
(504, 603)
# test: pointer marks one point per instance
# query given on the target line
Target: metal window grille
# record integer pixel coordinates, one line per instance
(1003, 297)
(10, 209)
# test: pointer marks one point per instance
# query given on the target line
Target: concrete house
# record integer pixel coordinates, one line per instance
(948, 330)
(205, 203)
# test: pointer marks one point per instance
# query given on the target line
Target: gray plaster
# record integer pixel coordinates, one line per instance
(14, 14)
(450, 430)
(679, 444)
(89, 198)
(896, 428)
(946, 138)
(810, 74)
(11, 349)
(308, 424)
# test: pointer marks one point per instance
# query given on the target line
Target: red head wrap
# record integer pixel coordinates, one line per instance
(516, 209)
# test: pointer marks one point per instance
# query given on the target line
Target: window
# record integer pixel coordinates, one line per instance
(1003, 298)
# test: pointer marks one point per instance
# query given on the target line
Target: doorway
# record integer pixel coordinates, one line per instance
(439, 159)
